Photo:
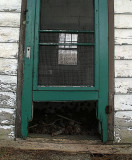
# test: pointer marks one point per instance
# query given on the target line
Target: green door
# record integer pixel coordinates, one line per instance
(66, 55)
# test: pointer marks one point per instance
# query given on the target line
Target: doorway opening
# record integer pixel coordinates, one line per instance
(77, 118)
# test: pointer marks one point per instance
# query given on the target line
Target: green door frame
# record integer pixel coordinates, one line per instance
(32, 92)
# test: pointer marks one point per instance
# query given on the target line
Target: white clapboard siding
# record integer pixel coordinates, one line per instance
(123, 6)
(123, 119)
(123, 52)
(7, 116)
(10, 5)
(123, 134)
(8, 83)
(123, 68)
(9, 19)
(123, 102)
(9, 34)
(123, 71)
(123, 36)
(123, 21)
(7, 131)
(8, 66)
(9, 50)
(10, 12)
(7, 100)
(123, 85)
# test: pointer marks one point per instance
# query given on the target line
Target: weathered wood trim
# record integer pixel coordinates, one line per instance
(20, 69)
(111, 71)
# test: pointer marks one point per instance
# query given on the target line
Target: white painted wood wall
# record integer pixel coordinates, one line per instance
(123, 70)
(10, 11)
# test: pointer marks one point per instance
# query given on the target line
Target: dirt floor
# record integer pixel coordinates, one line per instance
(18, 154)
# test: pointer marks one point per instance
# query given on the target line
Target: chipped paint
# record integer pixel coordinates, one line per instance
(9, 34)
(7, 127)
(117, 135)
(10, 5)
(123, 85)
(9, 42)
(7, 99)
(5, 122)
(9, 19)
(11, 111)
(8, 66)
(123, 68)
(123, 71)
(9, 51)
(7, 131)
(129, 129)
(8, 83)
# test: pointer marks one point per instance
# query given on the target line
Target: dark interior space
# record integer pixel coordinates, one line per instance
(64, 118)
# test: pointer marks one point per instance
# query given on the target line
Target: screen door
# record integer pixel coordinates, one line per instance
(66, 55)
(66, 43)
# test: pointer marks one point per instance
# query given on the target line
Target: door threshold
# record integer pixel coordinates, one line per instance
(65, 139)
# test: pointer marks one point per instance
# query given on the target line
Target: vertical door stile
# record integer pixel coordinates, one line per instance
(28, 68)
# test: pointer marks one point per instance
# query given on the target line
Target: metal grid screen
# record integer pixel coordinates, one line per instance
(66, 43)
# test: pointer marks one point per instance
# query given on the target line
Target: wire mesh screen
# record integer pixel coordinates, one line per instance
(66, 51)
(67, 14)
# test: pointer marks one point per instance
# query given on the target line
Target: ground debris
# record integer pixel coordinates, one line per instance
(64, 118)
(18, 154)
